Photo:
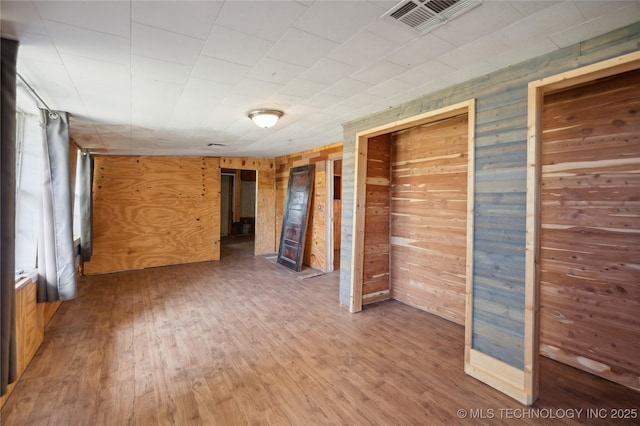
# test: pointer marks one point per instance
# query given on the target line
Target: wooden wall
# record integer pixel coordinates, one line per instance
(375, 265)
(428, 217)
(590, 228)
(266, 230)
(31, 318)
(315, 245)
(154, 211)
(500, 184)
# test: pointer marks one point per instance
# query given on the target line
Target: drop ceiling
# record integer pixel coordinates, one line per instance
(178, 77)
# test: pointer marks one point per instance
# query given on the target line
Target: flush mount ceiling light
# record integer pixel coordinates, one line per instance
(265, 118)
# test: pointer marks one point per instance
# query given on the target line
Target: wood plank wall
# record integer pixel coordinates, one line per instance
(315, 246)
(266, 230)
(31, 319)
(429, 217)
(500, 183)
(590, 228)
(154, 211)
(375, 266)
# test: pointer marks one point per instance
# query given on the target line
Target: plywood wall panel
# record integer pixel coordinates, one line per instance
(590, 228)
(154, 211)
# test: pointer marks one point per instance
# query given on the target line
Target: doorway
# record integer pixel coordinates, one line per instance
(334, 213)
(238, 195)
(583, 222)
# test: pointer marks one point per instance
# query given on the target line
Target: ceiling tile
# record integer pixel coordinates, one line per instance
(39, 48)
(302, 88)
(424, 73)
(233, 46)
(191, 18)
(337, 21)
(323, 100)
(164, 45)
(219, 70)
(101, 16)
(347, 88)
(390, 88)
(472, 52)
(469, 72)
(82, 42)
(301, 48)
(19, 17)
(363, 49)
(601, 20)
(328, 71)
(361, 100)
(515, 55)
(419, 51)
(155, 69)
(394, 33)
(275, 71)
(260, 18)
(539, 25)
(199, 97)
(257, 88)
(526, 8)
(477, 23)
(378, 72)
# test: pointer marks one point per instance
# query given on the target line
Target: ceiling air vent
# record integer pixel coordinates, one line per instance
(424, 16)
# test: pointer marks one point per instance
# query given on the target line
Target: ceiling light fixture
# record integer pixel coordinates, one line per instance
(265, 118)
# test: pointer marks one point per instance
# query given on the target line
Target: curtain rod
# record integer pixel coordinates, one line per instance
(52, 114)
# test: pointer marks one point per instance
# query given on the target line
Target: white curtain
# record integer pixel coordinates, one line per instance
(56, 266)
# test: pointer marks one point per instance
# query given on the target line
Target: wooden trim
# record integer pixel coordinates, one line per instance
(537, 90)
(499, 375)
(379, 296)
(362, 138)
(359, 201)
(329, 219)
(471, 167)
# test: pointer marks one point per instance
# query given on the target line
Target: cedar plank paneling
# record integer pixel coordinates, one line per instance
(428, 216)
(590, 228)
(375, 268)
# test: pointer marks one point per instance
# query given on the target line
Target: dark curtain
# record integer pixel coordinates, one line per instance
(8, 370)
(84, 174)
(56, 263)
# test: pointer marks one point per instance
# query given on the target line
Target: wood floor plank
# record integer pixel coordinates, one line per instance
(244, 341)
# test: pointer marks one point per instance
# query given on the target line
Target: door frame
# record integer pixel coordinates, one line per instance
(232, 200)
(537, 90)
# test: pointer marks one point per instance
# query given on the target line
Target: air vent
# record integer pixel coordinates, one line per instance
(424, 16)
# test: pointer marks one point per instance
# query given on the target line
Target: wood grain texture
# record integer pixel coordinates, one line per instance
(590, 228)
(202, 344)
(153, 211)
(500, 181)
(316, 246)
(376, 260)
(429, 217)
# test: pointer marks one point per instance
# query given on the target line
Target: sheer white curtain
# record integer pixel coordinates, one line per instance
(56, 267)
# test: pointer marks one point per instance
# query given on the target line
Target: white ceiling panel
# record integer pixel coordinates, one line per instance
(419, 51)
(156, 69)
(363, 49)
(337, 21)
(379, 72)
(302, 88)
(234, 46)
(196, 17)
(598, 23)
(219, 71)
(328, 71)
(192, 69)
(274, 71)
(260, 18)
(301, 48)
(78, 41)
(164, 45)
(102, 16)
(18, 18)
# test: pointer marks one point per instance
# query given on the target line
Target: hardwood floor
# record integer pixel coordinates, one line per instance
(243, 341)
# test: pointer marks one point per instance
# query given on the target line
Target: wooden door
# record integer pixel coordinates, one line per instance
(296, 216)
(590, 228)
